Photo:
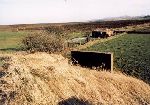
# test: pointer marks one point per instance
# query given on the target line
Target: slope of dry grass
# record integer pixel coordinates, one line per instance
(48, 79)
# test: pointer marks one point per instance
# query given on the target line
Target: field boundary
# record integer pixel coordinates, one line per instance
(91, 43)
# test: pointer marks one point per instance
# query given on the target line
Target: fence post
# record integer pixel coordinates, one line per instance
(112, 62)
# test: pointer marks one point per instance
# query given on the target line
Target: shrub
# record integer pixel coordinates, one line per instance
(55, 30)
(43, 42)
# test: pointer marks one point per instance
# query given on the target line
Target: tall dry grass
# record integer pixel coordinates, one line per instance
(48, 79)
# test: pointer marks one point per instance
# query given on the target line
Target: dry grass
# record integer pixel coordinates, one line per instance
(48, 79)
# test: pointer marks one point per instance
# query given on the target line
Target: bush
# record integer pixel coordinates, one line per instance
(55, 30)
(43, 42)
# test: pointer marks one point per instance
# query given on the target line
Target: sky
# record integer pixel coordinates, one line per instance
(58, 11)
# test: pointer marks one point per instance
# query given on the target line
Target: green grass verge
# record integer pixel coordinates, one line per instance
(131, 54)
(10, 41)
(72, 35)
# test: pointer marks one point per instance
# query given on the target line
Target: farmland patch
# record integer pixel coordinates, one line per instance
(131, 54)
(11, 40)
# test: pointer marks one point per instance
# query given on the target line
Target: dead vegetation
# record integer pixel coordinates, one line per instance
(48, 79)
(43, 42)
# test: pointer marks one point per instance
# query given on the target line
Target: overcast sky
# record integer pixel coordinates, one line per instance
(52, 11)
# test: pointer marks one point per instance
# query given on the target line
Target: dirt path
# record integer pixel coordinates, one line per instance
(91, 43)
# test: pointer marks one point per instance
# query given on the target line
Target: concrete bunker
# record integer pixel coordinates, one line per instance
(99, 33)
(89, 59)
(77, 41)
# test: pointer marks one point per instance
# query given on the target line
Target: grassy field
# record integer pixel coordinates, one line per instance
(10, 41)
(72, 35)
(131, 53)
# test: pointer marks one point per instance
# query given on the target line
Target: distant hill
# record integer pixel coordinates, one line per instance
(112, 22)
(123, 18)
(146, 17)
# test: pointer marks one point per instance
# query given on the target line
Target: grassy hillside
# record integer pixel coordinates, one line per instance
(11, 40)
(48, 79)
(131, 53)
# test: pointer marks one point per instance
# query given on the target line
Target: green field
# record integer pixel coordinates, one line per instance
(10, 41)
(131, 54)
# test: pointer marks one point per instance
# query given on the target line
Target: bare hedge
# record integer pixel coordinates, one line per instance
(43, 42)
